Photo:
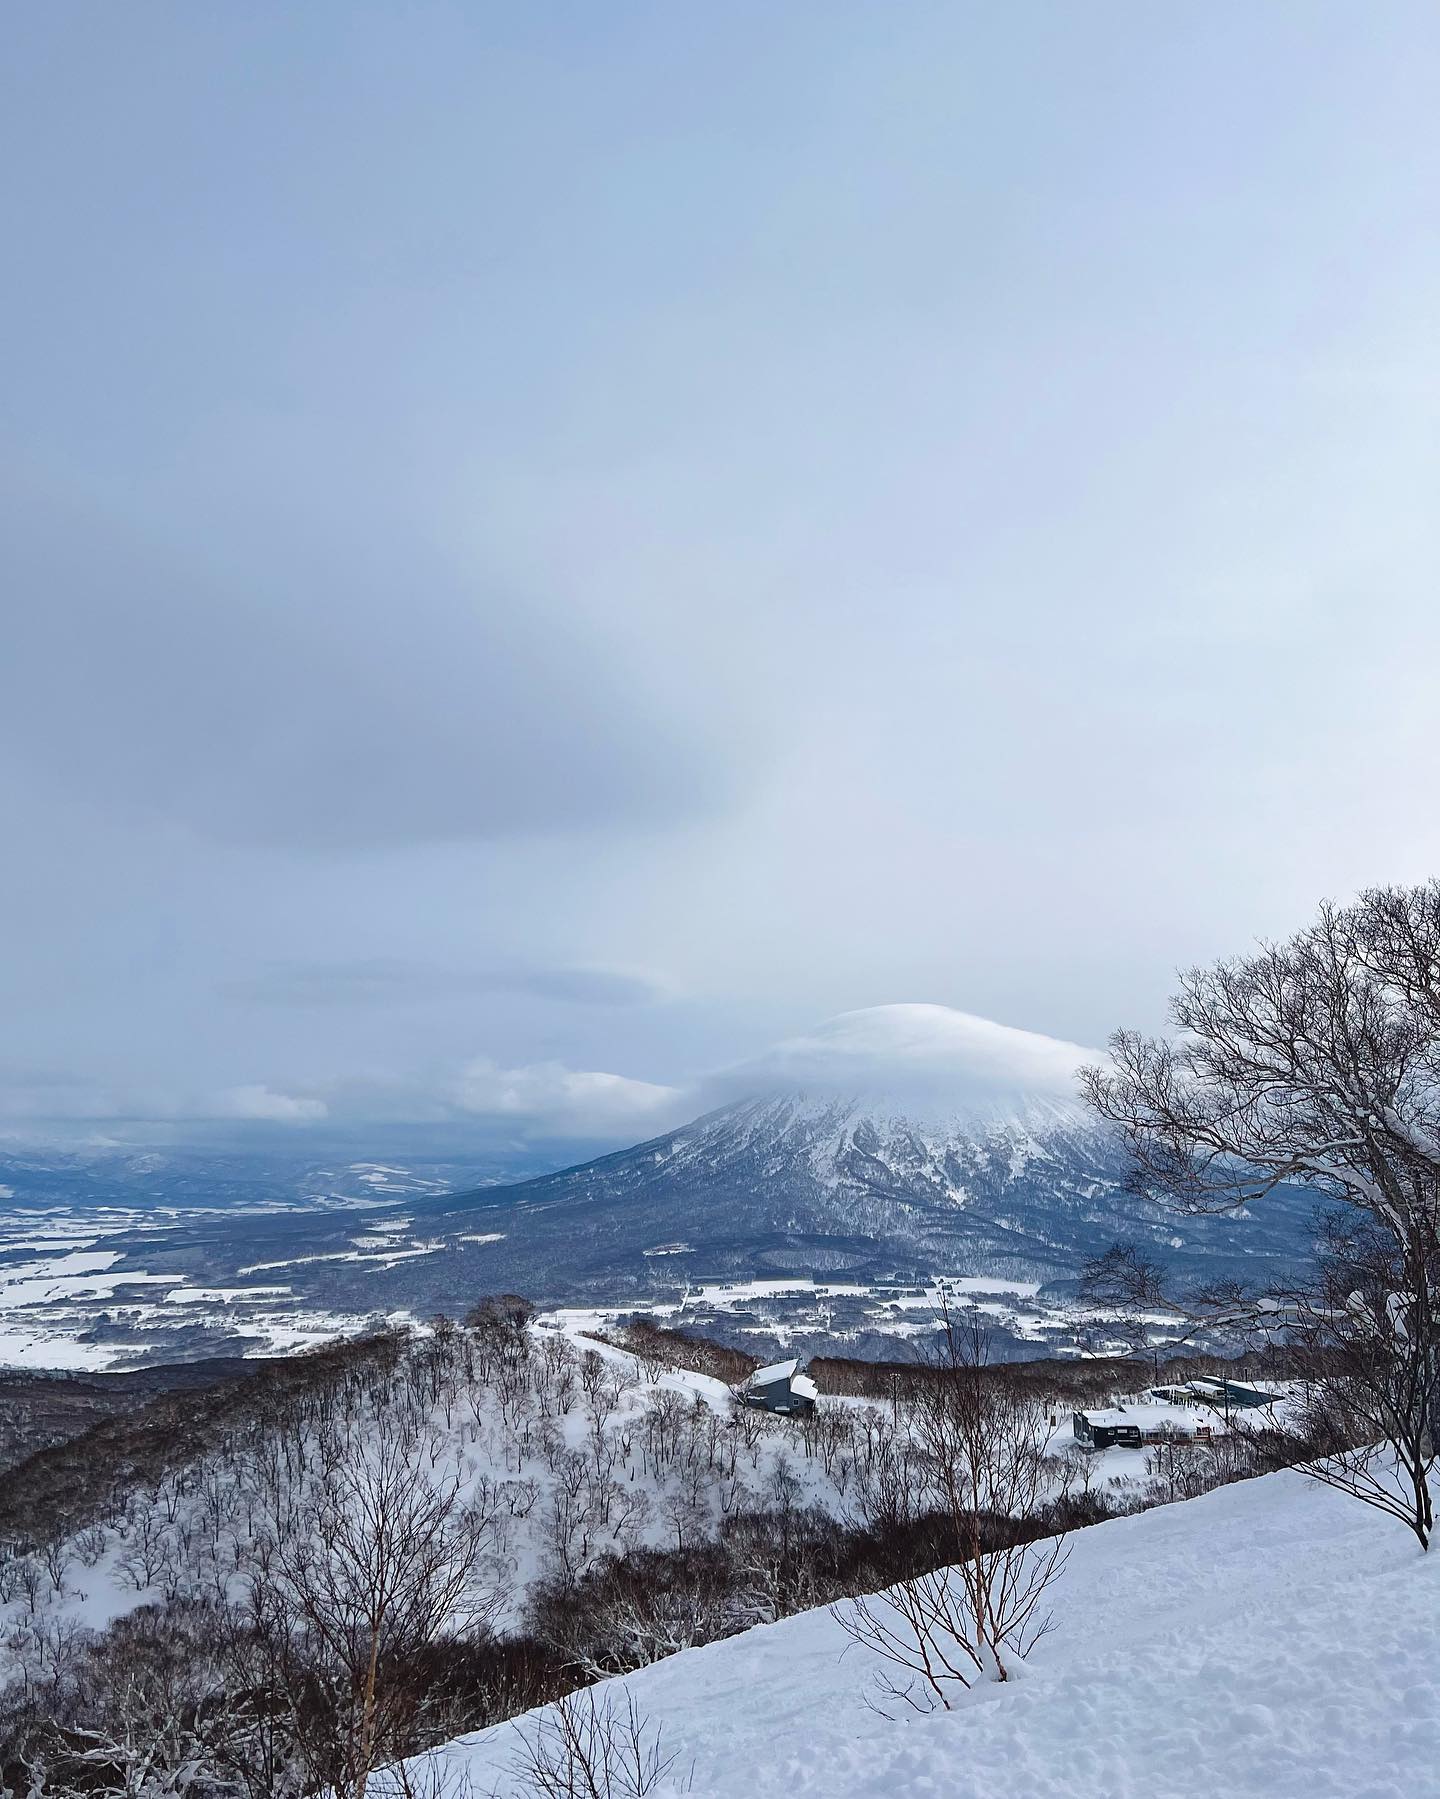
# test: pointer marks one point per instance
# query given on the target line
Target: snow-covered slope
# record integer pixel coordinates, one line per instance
(1272, 1638)
(634, 1430)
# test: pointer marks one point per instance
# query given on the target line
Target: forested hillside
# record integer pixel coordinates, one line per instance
(291, 1578)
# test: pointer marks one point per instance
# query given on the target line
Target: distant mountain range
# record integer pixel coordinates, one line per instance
(283, 1170)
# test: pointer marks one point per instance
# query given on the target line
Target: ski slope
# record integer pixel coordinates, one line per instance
(1272, 1638)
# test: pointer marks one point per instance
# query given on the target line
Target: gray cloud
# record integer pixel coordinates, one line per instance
(381, 982)
(533, 1103)
(915, 513)
(77, 1098)
(589, 986)
(21, 1076)
(264, 1105)
(348, 696)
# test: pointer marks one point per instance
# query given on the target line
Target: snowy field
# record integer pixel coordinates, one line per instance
(65, 1302)
(1271, 1639)
(70, 1299)
(801, 1310)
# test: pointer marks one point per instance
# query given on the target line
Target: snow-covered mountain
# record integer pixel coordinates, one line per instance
(903, 1141)
(922, 1061)
(899, 1138)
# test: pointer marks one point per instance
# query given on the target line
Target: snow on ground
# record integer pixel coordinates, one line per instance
(1174, 1629)
(26, 1348)
(67, 1281)
(787, 1306)
(1272, 1638)
(54, 1333)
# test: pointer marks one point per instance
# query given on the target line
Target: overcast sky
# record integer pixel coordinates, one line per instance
(547, 547)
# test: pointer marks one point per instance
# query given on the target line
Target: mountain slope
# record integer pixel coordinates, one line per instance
(1270, 1639)
(799, 1184)
(906, 1138)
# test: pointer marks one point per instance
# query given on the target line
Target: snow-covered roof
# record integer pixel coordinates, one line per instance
(1155, 1415)
(804, 1387)
(1206, 1384)
(775, 1373)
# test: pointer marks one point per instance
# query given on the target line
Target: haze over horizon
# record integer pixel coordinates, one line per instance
(547, 553)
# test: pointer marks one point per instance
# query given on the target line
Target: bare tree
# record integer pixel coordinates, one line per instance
(391, 1559)
(940, 1632)
(1368, 1359)
(584, 1748)
(1317, 1060)
(1314, 1062)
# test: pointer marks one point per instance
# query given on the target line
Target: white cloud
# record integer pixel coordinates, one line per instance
(260, 1102)
(921, 1057)
(925, 1059)
(554, 1099)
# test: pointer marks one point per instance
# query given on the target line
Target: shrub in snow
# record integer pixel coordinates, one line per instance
(938, 1633)
(584, 1747)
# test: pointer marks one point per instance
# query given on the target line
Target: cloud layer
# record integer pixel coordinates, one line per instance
(920, 1057)
(260, 1104)
(545, 544)
(240, 693)
(388, 982)
(548, 1099)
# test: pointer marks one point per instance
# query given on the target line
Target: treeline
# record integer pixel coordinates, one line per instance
(45, 1409)
(663, 1346)
(65, 1486)
(1061, 1381)
(328, 1559)
(1087, 1381)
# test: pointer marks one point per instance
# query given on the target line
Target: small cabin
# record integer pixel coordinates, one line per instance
(1109, 1429)
(1151, 1420)
(783, 1388)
